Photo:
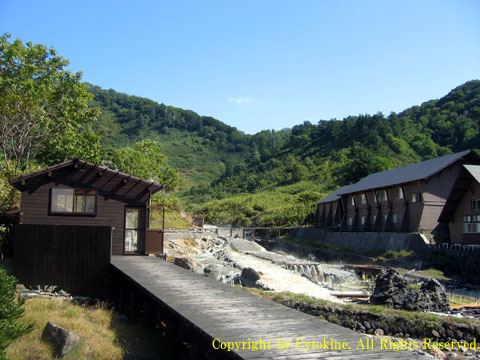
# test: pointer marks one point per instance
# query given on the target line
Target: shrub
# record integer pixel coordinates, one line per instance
(11, 309)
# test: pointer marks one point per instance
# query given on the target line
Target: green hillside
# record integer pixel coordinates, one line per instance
(227, 175)
(199, 146)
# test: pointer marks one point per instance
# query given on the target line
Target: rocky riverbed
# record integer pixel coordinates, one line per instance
(226, 258)
(233, 260)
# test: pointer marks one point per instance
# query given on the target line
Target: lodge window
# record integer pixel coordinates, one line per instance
(362, 220)
(349, 221)
(363, 199)
(384, 219)
(382, 195)
(475, 205)
(373, 219)
(398, 193)
(471, 224)
(351, 200)
(73, 201)
(416, 197)
(397, 218)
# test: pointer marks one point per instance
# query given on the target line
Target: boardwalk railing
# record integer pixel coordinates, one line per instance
(73, 257)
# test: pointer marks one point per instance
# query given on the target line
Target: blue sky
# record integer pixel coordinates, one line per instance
(262, 64)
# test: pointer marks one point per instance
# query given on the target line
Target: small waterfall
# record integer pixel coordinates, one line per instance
(320, 273)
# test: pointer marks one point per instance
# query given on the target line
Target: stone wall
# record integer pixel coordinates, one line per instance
(394, 325)
(172, 235)
(366, 240)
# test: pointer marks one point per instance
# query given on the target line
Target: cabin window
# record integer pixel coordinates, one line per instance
(416, 198)
(362, 220)
(350, 221)
(363, 199)
(397, 218)
(373, 219)
(471, 224)
(73, 201)
(382, 195)
(476, 205)
(351, 200)
(398, 193)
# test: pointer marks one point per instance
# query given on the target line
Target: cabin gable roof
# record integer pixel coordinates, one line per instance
(21, 183)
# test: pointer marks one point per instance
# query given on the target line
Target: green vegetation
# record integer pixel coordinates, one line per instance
(433, 273)
(145, 160)
(414, 286)
(44, 112)
(270, 178)
(269, 208)
(104, 337)
(328, 248)
(290, 299)
(11, 310)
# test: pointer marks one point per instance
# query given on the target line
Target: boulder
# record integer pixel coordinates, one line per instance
(62, 340)
(249, 277)
(212, 271)
(185, 262)
(392, 290)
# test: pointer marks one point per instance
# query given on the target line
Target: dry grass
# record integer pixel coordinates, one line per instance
(103, 336)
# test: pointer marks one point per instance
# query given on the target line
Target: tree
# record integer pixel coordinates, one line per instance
(145, 160)
(11, 309)
(40, 102)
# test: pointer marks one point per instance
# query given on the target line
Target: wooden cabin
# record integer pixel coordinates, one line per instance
(408, 198)
(76, 192)
(462, 209)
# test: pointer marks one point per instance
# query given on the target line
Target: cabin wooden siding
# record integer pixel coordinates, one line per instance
(465, 208)
(113, 195)
(74, 257)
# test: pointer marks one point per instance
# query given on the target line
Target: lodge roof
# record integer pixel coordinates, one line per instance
(20, 181)
(418, 171)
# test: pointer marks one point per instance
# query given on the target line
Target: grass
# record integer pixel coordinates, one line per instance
(173, 220)
(103, 336)
(328, 247)
(288, 297)
(433, 273)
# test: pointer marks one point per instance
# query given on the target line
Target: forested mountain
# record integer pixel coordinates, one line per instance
(334, 153)
(303, 163)
(200, 146)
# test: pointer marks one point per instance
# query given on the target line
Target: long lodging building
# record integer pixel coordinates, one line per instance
(408, 198)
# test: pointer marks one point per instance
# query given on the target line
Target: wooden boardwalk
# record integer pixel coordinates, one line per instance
(222, 312)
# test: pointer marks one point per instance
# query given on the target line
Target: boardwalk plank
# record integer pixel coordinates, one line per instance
(229, 314)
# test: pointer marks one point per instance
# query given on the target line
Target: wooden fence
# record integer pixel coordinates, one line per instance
(75, 258)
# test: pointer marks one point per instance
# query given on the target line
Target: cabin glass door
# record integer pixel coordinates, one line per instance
(134, 229)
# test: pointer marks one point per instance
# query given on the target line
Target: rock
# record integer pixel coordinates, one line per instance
(379, 332)
(121, 318)
(212, 271)
(392, 290)
(185, 262)
(62, 340)
(249, 277)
